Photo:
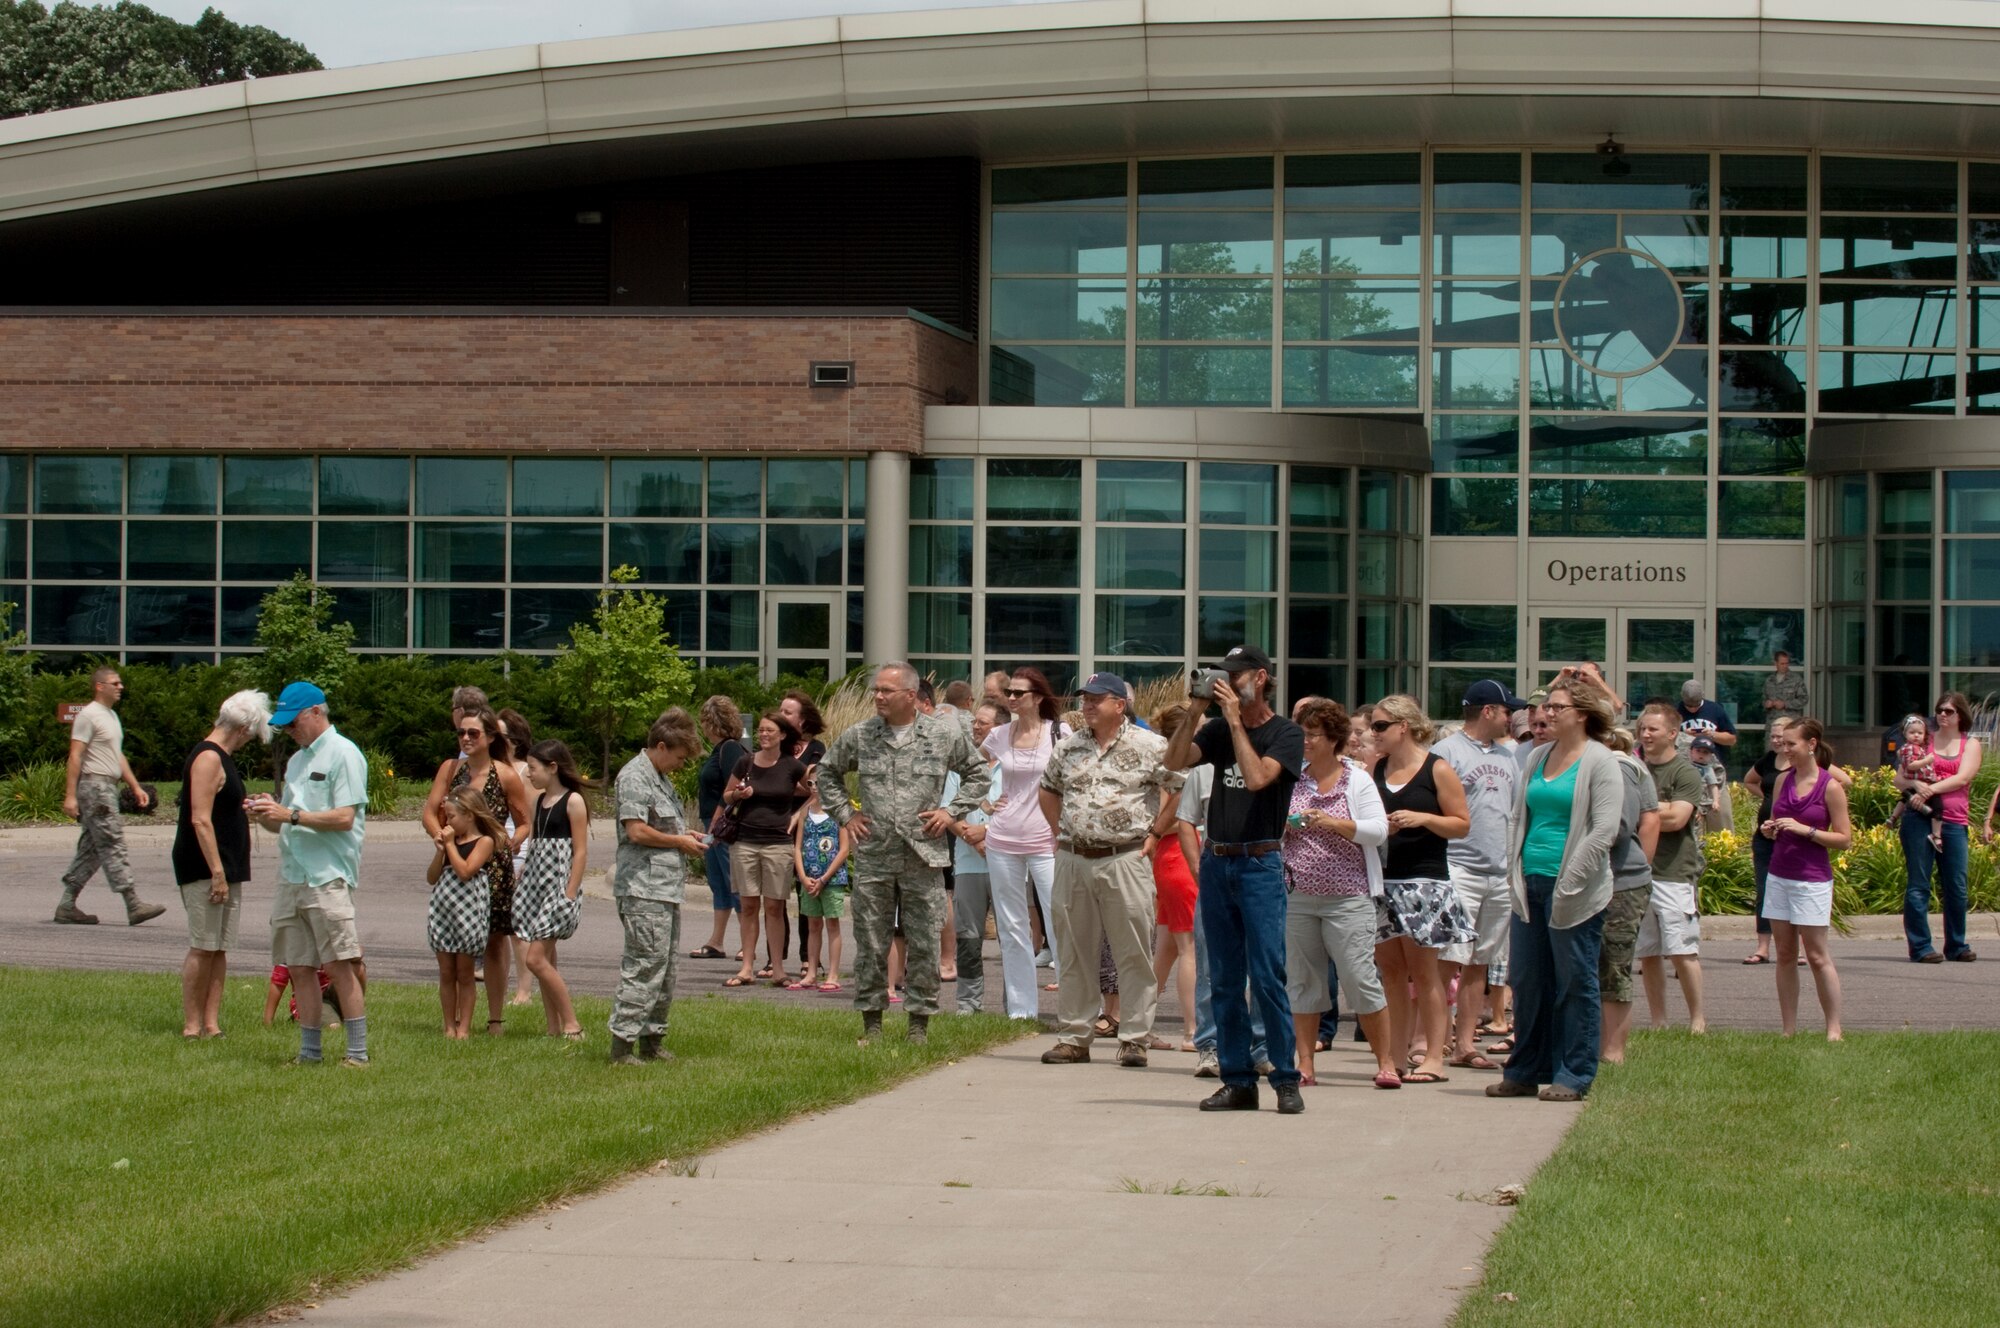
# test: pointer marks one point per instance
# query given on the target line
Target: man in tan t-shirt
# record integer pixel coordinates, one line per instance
(96, 765)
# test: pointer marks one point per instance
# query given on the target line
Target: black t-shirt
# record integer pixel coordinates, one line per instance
(766, 815)
(1767, 775)
(715, 776)
(1235, 814)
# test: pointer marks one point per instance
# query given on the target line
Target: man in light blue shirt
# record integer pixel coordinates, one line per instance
(320, 822)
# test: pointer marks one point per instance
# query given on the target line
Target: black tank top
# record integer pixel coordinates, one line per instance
(553, 822)
(232, 824)
(1414, 855)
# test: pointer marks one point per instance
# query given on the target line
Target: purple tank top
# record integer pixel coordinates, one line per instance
(1795, 857)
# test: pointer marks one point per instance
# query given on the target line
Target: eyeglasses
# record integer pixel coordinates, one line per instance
(1555, 708)
(472, 733)
(891, 691)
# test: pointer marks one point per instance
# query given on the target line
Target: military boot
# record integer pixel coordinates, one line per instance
(651, 1050)
(871, 1028)
(920, 1030)
(621, 1053)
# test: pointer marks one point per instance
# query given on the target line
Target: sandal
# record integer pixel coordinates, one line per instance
(738, 980)
(1504, 1047)
(1308, 1081)
(1757, 959)
(575, 1036)
(1154, 1042)
(1105, 1027)
(1472, 1060)
(767, 971)
(706, 952)
(1322, 1045)
(829, 986)
(491, 1024)
(801, 985)
(1425, 1077)
(1388, 1079)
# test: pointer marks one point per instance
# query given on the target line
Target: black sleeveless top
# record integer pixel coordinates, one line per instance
(1413, 855)
(553, 822)
(232, 824)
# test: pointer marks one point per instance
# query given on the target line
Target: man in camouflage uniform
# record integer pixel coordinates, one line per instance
(900, 851)
(649, 883)
(97, 765)
(1784, 693)
(1110, 797)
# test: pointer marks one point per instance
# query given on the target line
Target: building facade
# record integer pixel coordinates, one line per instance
(1416, 345)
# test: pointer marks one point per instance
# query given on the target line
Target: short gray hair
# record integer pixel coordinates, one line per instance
(248, 709)
(907, 670)
(1691, 690)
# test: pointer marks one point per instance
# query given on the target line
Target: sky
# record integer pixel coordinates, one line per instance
(360, 32)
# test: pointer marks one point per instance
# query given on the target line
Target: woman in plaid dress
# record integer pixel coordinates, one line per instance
(460, 877)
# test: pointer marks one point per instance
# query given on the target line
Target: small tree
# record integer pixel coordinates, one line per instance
(619, 670)
(300, 639)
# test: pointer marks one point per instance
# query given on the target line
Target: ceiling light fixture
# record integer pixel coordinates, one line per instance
(1613, 153)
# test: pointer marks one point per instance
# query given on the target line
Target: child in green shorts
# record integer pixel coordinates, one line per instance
(819, 853)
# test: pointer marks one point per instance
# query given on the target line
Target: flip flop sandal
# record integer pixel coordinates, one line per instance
(1758, 959)
(829, 986)
(1472, 1060)
(1504, 1047)
(1105, 1027)
(706, 952)
(801, 985)
(1154, 1042)
(1388, 1079)
(1425, 1077)
(738, 980)
(767, 972)
(1308, 1081)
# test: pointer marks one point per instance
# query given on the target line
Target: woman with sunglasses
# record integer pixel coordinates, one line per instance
(483, 763)
(1020, 843)
(1954, 765)
(1418, 912)
(1569, 811)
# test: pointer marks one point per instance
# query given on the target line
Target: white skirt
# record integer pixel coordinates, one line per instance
(1801, 903)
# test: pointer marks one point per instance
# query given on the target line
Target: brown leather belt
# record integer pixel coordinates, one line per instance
(1255, 849)
(1106, 850)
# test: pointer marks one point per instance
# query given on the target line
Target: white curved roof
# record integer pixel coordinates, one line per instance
(1089, 78)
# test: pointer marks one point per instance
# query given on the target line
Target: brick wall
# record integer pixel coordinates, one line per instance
(438, 382)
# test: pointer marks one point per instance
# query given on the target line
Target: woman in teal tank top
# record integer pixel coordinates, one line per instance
(1549, 803)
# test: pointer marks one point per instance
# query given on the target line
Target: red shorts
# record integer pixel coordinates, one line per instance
(1175, 887)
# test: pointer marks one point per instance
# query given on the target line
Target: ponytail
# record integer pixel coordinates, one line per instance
(1810, 730)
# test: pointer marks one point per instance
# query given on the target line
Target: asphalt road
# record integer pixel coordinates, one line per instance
(1882, 989)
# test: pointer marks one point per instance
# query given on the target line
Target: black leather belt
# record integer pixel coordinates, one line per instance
(1106, 850)
(1254, 849)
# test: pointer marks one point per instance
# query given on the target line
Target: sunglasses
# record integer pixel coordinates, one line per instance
(1947, 710)
(1383, 725)
(1018, 692)
(472, 733)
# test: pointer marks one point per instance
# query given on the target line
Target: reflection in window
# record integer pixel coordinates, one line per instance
(1318, 496)
(461, 486)
(1900, 384)
(1761, 509)
(1480, 633)
(1057, 376)
(1476, 243)
(1972, 503)
(1064, 241)
(1476, 376)
(1471, 444)
(1618, 509)
(458, 620)
(1141, 491)
(804, 555)
(941, 489)
(1203, 376)
(371, 486)
(542, 618)
(801, 488)
(1363, 243)
(1618, 445)
(1140, 559)
(668, 552)
(170, 616)
(1141, 624)
(359, 550)
(1887, 184)
(1038, 310)
(170, 550)
(80, 484)
(1031, 625)
(1763, 184)
(1350, 377)
(1474, 507)
(1228, 621)
(173, 486)
(1902, 637)
(1317, 628)
(1238, 559)
(79, 550)
(649, 487)
(1034, 490)
(1339, 310)
(1654, 180)
(1768, 447)
(1764, 246)
(1204, 309)
(1752, 636)
(1032, 555)
(941, 555)
(1918, 317)
(1766, 314)
(1891, 248)
(940, 624)
(379, 616)
(1903, 569)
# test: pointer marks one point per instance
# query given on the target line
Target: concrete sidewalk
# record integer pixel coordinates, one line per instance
(993, 1192)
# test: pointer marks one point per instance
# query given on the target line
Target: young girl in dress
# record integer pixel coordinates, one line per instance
(819, 856)
(549, 903)
(1914, 760)
(460, 876)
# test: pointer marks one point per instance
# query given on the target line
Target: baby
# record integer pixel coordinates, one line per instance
(1914, 760)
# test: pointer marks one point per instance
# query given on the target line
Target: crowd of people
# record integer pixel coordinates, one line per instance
(1479, 897)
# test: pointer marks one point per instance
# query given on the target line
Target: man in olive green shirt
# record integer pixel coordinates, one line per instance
(1671, 928)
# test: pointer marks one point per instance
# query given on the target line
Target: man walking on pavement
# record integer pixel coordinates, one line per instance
(1109, 799)
(97, 764)
(902, 757)
(1257, 755)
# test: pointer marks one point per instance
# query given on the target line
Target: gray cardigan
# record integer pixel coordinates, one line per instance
(1584, 886)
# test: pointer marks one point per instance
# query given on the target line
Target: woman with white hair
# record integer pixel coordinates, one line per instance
(212, 856)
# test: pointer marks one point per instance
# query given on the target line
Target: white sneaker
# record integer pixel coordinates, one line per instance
(1207, 1067)
(1043, 959)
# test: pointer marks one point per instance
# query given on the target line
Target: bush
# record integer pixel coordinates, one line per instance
(1729, 878)
(1869, 876)
(36, 793)
(1873, 798)
(382, 792)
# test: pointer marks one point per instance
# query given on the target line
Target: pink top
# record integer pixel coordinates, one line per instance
(1019, 827)
(1951, 806)
(1794, 857)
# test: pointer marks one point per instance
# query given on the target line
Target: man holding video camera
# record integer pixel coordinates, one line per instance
(1257, 754)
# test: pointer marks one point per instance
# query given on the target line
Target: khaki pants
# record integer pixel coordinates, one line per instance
(1099, 900)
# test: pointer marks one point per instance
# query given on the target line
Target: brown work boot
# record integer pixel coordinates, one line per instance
(138, 911)
(651, 1050)
(1131, 1055)
(1066, 1053)
(70, 913)
(621, 1053)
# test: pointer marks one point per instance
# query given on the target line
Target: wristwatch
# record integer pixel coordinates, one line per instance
(295, 816)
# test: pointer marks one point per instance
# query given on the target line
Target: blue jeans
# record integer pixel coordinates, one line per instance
(1554, 975)
(1950, 865)
(1204, 1002)
(1243, 911)
(715, 865)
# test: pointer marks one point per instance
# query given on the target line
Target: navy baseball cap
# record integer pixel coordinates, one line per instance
(1244, 658)
(297, 696)
(1487, 692)
(1702, 745)
(1107, 684)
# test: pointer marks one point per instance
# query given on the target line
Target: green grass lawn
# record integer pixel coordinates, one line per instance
(151, 1181)
(1742, 1180)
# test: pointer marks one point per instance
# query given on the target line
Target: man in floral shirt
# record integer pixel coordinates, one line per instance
(1110, 797)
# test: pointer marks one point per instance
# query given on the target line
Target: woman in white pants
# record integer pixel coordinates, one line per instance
(1020, 843)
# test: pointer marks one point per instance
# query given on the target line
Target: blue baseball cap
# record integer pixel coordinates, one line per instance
(297, 696)
(1487, 692)
(1107, 684)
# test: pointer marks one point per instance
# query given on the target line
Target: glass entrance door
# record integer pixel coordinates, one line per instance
(1645, 653)
(801, 632)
